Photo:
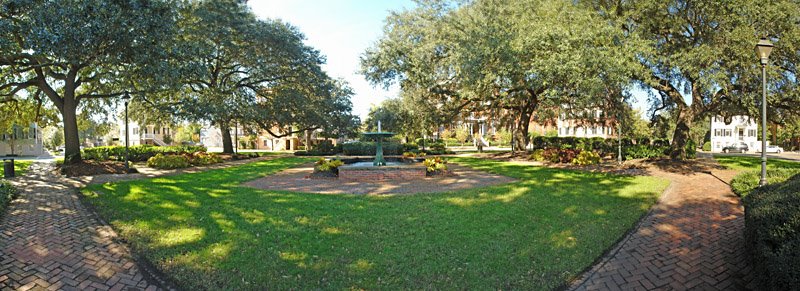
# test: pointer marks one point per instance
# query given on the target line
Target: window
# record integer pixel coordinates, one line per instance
(751, 132)
(728, 132)
(265, 143)
(594, 129)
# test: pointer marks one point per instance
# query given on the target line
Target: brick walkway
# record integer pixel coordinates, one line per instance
(693, 239)
(48, 240)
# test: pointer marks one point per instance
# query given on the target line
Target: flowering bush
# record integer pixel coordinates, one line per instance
(435, 165)
(325, 165)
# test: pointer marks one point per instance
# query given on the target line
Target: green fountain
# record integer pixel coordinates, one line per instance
(378, 137)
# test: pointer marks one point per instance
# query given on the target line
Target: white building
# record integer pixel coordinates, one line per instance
(149, 134)
(593, 123)
(740, 129)
(23, 141)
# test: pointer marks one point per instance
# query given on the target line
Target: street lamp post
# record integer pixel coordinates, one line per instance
(619, 133)
(763, 49)
(127, 136)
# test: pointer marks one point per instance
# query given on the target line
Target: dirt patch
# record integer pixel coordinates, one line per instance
(459, 178)
(91, 168)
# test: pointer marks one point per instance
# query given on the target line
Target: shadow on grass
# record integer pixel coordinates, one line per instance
(206, 232)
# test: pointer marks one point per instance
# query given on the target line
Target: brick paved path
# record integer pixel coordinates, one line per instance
(48, 240)
(693, 239)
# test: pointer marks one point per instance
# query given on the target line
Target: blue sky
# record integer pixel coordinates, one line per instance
(342, 30)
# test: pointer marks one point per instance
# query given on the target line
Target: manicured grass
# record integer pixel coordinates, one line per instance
(207, 232)
(778, 171)
(20, 168)
(743, 163)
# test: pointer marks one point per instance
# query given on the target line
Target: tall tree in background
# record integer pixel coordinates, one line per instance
(546, 52)
(231, 60)
(699, 57)
(72, 50)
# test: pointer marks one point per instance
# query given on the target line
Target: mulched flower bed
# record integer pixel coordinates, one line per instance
(91, 168)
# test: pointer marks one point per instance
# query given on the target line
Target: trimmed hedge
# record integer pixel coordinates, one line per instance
(746, 182)
(368, 148)
(138, 153)
(772, 234)
(638, 149)
(324, 148)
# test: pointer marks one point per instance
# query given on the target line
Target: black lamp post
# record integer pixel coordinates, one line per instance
(763, 49)
(127, 136)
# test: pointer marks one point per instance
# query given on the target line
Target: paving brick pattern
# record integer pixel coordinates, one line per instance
(692, 239)
(49, 241)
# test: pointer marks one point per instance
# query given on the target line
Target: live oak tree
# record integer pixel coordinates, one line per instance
(74, 50)
(237, 68)
(698, 56)
(540, 53)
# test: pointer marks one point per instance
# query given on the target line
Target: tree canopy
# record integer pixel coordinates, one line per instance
(539, 54)
(73, 50)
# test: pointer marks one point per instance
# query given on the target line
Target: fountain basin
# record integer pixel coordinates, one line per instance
(395, 169)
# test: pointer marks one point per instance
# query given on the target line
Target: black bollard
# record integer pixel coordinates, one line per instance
(8, 168)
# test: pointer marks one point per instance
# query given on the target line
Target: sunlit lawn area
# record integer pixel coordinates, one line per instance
(744, 163)
(20, 168)
(207, 232)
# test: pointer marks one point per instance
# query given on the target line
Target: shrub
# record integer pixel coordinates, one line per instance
(643, 152)
(560, 155)
(587, 158)
(413, 154)
(161, 161)
(772, 234)
(202, 158)
(435, 165)
(325, 146)
(707, 146)
(746, 182)
(7, 193)
(410, 147)
(368, 149)
(138, 153)
(503, 137)
(691, 149)
(537, 155)
(325, 165)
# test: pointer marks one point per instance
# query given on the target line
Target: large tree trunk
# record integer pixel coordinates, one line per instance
(520, 135)
(72, 145)
(681, 135)
(227, 142)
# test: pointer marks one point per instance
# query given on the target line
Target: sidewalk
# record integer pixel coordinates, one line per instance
(49, 240)
(692, 239)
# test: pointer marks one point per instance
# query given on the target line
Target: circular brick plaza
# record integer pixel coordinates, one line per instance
(296, 180)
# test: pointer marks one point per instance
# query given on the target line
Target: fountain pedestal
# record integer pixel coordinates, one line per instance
(378, 136)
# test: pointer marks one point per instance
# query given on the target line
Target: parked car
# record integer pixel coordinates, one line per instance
(736, 148)
(774, 149)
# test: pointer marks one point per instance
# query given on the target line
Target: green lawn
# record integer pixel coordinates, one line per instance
(750, 171)
(207, 232)
(20, 168)
(744, 163)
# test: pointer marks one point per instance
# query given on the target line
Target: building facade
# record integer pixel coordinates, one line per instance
(591, 123)
(148, 134)
(22, 141)
(740, 129)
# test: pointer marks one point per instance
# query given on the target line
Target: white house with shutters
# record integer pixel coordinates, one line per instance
(22, 141)
(148, 134)
(739, 129)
